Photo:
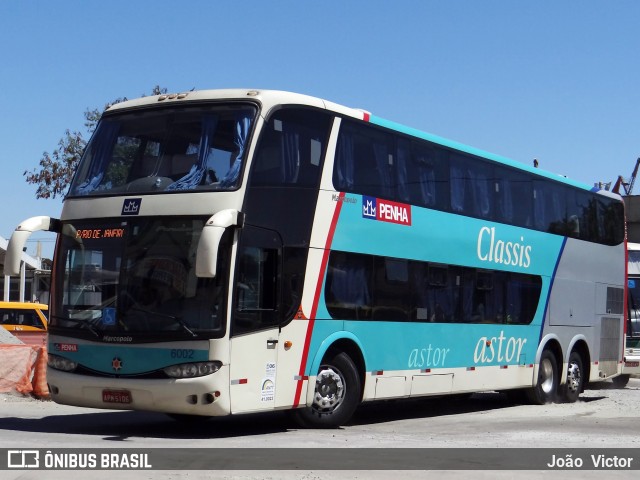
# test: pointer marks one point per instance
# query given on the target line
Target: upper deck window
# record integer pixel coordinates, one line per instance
(291, 149)
(165, 150)
(374, 161)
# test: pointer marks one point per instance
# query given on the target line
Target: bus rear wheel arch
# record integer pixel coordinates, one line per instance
(337, 393)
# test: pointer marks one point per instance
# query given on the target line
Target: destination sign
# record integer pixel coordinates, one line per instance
(94, 233)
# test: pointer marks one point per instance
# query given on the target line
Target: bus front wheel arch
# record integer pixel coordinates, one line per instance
(337, 394)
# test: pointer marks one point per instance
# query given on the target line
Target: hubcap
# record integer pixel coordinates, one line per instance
(546, 375)
(329, 390)
(573, 377)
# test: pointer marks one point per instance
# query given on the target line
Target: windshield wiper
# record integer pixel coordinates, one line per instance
(177, 320)
(82, 324)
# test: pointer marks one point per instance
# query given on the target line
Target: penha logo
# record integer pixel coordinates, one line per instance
(131, 206)
(386, 210)
(369, 207)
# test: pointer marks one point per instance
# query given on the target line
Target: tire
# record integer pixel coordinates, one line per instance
(621, 381)
(546, 388)
(337, 394)
(575, 379)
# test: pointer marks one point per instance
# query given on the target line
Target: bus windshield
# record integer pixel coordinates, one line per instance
(166, 149)
(136, 279)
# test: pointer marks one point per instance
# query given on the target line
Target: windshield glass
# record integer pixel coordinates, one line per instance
(166, 149)
(136, 279)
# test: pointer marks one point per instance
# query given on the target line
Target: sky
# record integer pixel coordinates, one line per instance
(555, 81)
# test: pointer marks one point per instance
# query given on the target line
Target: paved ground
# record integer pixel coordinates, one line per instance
(605, 417)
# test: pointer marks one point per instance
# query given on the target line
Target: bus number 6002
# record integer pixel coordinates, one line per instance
(181, 353)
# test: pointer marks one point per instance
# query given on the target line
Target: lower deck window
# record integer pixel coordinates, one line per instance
(368, 287)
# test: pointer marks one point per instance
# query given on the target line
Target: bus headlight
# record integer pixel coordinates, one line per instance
(191, 370)
(61, 363)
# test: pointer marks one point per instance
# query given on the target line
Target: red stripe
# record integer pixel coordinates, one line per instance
(316, 297)
(626, 288)
(366, 116)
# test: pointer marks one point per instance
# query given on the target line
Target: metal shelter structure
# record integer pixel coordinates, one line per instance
(25, 287)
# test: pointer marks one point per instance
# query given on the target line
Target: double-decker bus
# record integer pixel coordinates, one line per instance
(631, 358)
(233, 251)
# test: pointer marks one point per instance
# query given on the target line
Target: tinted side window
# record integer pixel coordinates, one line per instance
(373, 161)
(392, 300)
(427, 175)
(348, 286)
(471, 187)
(257, 287)
(367, 287)
(291, 150)
(581, 215)
(550, 207)
(514, 197)
(365, 162)
(610, 221)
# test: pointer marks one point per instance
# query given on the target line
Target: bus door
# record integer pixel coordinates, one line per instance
(254, 321)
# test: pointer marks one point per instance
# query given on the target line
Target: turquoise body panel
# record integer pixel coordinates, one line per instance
(126, 359)
(442, 237)
(445, 238)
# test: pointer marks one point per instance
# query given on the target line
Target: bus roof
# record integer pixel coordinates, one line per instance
(272, 98)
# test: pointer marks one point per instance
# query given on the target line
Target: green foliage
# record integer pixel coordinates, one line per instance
(56, 170)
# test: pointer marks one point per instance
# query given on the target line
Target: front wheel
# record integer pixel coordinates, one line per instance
(546, 387)
(337, 394)
(575, 378)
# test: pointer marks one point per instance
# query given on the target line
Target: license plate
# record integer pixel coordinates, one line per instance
(632, 364)
(116, 396)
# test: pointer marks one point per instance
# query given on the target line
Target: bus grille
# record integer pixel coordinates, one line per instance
(610, 342)
(615, 300)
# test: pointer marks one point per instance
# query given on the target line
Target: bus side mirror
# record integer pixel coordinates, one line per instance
(207, 254)
(19, 239)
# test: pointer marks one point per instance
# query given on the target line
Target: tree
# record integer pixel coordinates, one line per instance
(56, 169)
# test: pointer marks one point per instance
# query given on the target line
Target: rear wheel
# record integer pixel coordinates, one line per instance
(546, 388)
(337, 394)
(575, 378)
